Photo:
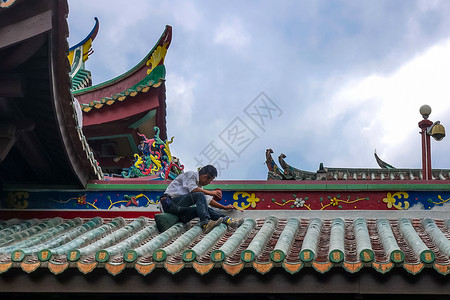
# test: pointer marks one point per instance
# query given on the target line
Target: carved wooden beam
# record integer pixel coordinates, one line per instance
(25, 29)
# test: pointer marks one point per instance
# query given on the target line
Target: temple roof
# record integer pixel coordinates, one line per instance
(263, 244)
(115, 112)
(386, 172)
(149, 72)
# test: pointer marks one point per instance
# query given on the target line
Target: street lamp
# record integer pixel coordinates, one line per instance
(428, 128)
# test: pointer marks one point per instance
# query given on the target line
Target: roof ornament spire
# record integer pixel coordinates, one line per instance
(78, 54)
(381, 163)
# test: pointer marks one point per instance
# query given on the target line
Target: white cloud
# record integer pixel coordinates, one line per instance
(382, 111)
(187, 15)
(321, 62)
(231, 33)
(180, 99)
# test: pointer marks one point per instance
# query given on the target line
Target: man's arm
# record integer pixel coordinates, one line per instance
(216, 204)
(215, 193)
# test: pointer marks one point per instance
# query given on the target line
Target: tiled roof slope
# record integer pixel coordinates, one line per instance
(262, 244)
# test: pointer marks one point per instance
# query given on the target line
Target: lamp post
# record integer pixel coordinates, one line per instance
(427, 129)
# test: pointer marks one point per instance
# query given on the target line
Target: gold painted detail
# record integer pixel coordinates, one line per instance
(440, 202)
(299, 203)
(391, 200)
(17, 200)
(57, 268)
(174, 268)
(86, 268)
(382, 268)
(145, 269)
(102, 255)
(6, 3)
(114, 269)
(366, 256)
(251, 199)
(157, 57)
(30, 267)
(263, 268)
(44, 255)
(352, 267)
(413, 268)
(202, 268)
(292, 268)
(233, 269)
(5, 267)
(322, 267)
(73, 255)
(443, 269)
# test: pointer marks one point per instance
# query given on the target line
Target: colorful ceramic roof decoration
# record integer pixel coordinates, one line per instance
(156, 161)
(78, 54)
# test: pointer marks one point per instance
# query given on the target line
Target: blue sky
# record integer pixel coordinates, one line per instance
(332, 80)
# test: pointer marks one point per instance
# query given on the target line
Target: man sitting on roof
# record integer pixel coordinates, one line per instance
(186, 198)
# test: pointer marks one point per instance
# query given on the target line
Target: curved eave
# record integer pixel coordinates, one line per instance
(78, 152)
(165, 39)
(53, 150)
(91, 35)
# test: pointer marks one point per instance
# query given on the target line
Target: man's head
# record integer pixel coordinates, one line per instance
(207, 174)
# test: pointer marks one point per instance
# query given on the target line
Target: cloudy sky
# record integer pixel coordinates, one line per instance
(320, 81)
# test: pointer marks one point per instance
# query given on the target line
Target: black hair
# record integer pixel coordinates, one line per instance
(209, 170)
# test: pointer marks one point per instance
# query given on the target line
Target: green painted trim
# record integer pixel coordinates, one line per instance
(281, 187)
(27, 187)
(126, 187)
(156, 76)
(126, 74)
(150, 115)
(128, 136)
